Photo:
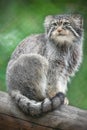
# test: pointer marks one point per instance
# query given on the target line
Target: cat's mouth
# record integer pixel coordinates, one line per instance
(61, 35)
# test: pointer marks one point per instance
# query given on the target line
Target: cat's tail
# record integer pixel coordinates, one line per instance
(35, 108)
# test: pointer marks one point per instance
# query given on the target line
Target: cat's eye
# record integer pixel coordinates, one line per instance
(54, 24)
(66, 23)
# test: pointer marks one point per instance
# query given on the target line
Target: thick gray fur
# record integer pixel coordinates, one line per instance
(41, 66)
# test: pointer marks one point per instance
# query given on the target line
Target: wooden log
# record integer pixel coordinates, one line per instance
(64, 118)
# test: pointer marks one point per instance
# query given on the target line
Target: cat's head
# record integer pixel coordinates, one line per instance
(64, 28)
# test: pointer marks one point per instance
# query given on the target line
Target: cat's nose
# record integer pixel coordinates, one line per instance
(59, 29)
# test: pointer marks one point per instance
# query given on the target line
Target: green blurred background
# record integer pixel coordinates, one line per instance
(20, 18)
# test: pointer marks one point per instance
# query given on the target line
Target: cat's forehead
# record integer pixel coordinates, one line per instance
(62, 17)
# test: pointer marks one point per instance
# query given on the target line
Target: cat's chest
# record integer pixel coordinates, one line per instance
(57, 57)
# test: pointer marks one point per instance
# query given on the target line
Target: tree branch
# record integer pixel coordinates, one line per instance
(64, 118)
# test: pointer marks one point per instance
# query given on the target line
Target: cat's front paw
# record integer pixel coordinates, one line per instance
(66, 101)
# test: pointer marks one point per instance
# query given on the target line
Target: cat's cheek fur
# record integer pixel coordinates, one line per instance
(62, 39)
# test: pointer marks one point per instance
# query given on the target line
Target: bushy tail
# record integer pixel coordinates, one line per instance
(33, 107)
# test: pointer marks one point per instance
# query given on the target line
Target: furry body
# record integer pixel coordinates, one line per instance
(42, 64)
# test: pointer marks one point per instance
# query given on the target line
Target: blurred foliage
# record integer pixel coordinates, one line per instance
(20, 18)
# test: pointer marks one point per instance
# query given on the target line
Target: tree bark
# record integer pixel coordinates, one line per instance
(64, 118)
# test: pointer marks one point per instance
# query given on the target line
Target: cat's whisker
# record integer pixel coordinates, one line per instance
(75, 33)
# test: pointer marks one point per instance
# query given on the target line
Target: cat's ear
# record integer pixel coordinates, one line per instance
(48, 20)
(77, 18)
